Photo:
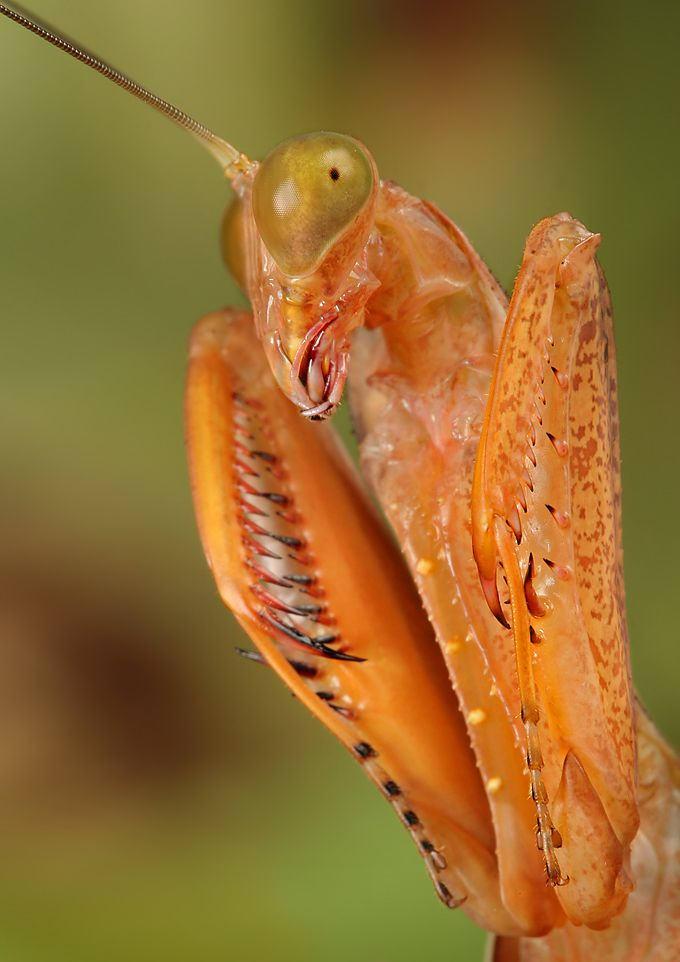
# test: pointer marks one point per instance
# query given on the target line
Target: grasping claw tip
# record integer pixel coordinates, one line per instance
(514, 521)
(304, 580)
(338, 655)
(309, 609)
(534, 603)
(490, 589)
(341, 710)
(328, 696)
(561, 378)
(561, 517)
(301, 667)
(438, 860)
(251, 656)
(561, 571)
(264, 456)
(274, 496)
(444, 892)
(451, 901)
(318, 646)
(364, 750)
(560, 445)
(556, 881)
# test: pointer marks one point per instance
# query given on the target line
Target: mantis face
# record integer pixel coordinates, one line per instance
(296, 239)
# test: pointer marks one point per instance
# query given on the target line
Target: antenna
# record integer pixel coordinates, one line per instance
(230, 159)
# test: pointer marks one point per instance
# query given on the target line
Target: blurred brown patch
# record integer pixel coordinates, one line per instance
(442, 24)
(94, 706)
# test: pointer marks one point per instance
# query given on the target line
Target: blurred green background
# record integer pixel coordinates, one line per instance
(160, 799)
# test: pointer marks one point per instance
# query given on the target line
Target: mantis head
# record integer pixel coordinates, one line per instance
(295, 239)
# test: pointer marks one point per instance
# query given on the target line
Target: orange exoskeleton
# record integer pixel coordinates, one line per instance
(500, 722)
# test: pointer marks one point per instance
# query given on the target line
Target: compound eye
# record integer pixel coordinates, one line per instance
(306, 193)
(233, 242)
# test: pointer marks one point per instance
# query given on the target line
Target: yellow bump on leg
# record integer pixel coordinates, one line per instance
(494, 784)
(452, 647)
(424, 566)
(476, 716)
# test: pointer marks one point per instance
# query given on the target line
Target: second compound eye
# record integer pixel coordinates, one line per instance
(306, 193)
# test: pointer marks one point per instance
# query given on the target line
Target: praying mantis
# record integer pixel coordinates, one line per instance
(480, 674)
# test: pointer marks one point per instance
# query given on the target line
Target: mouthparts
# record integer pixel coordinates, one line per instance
(319, 369)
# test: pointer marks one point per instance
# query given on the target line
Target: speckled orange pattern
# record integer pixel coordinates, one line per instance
(548, 467)
(594, 463)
